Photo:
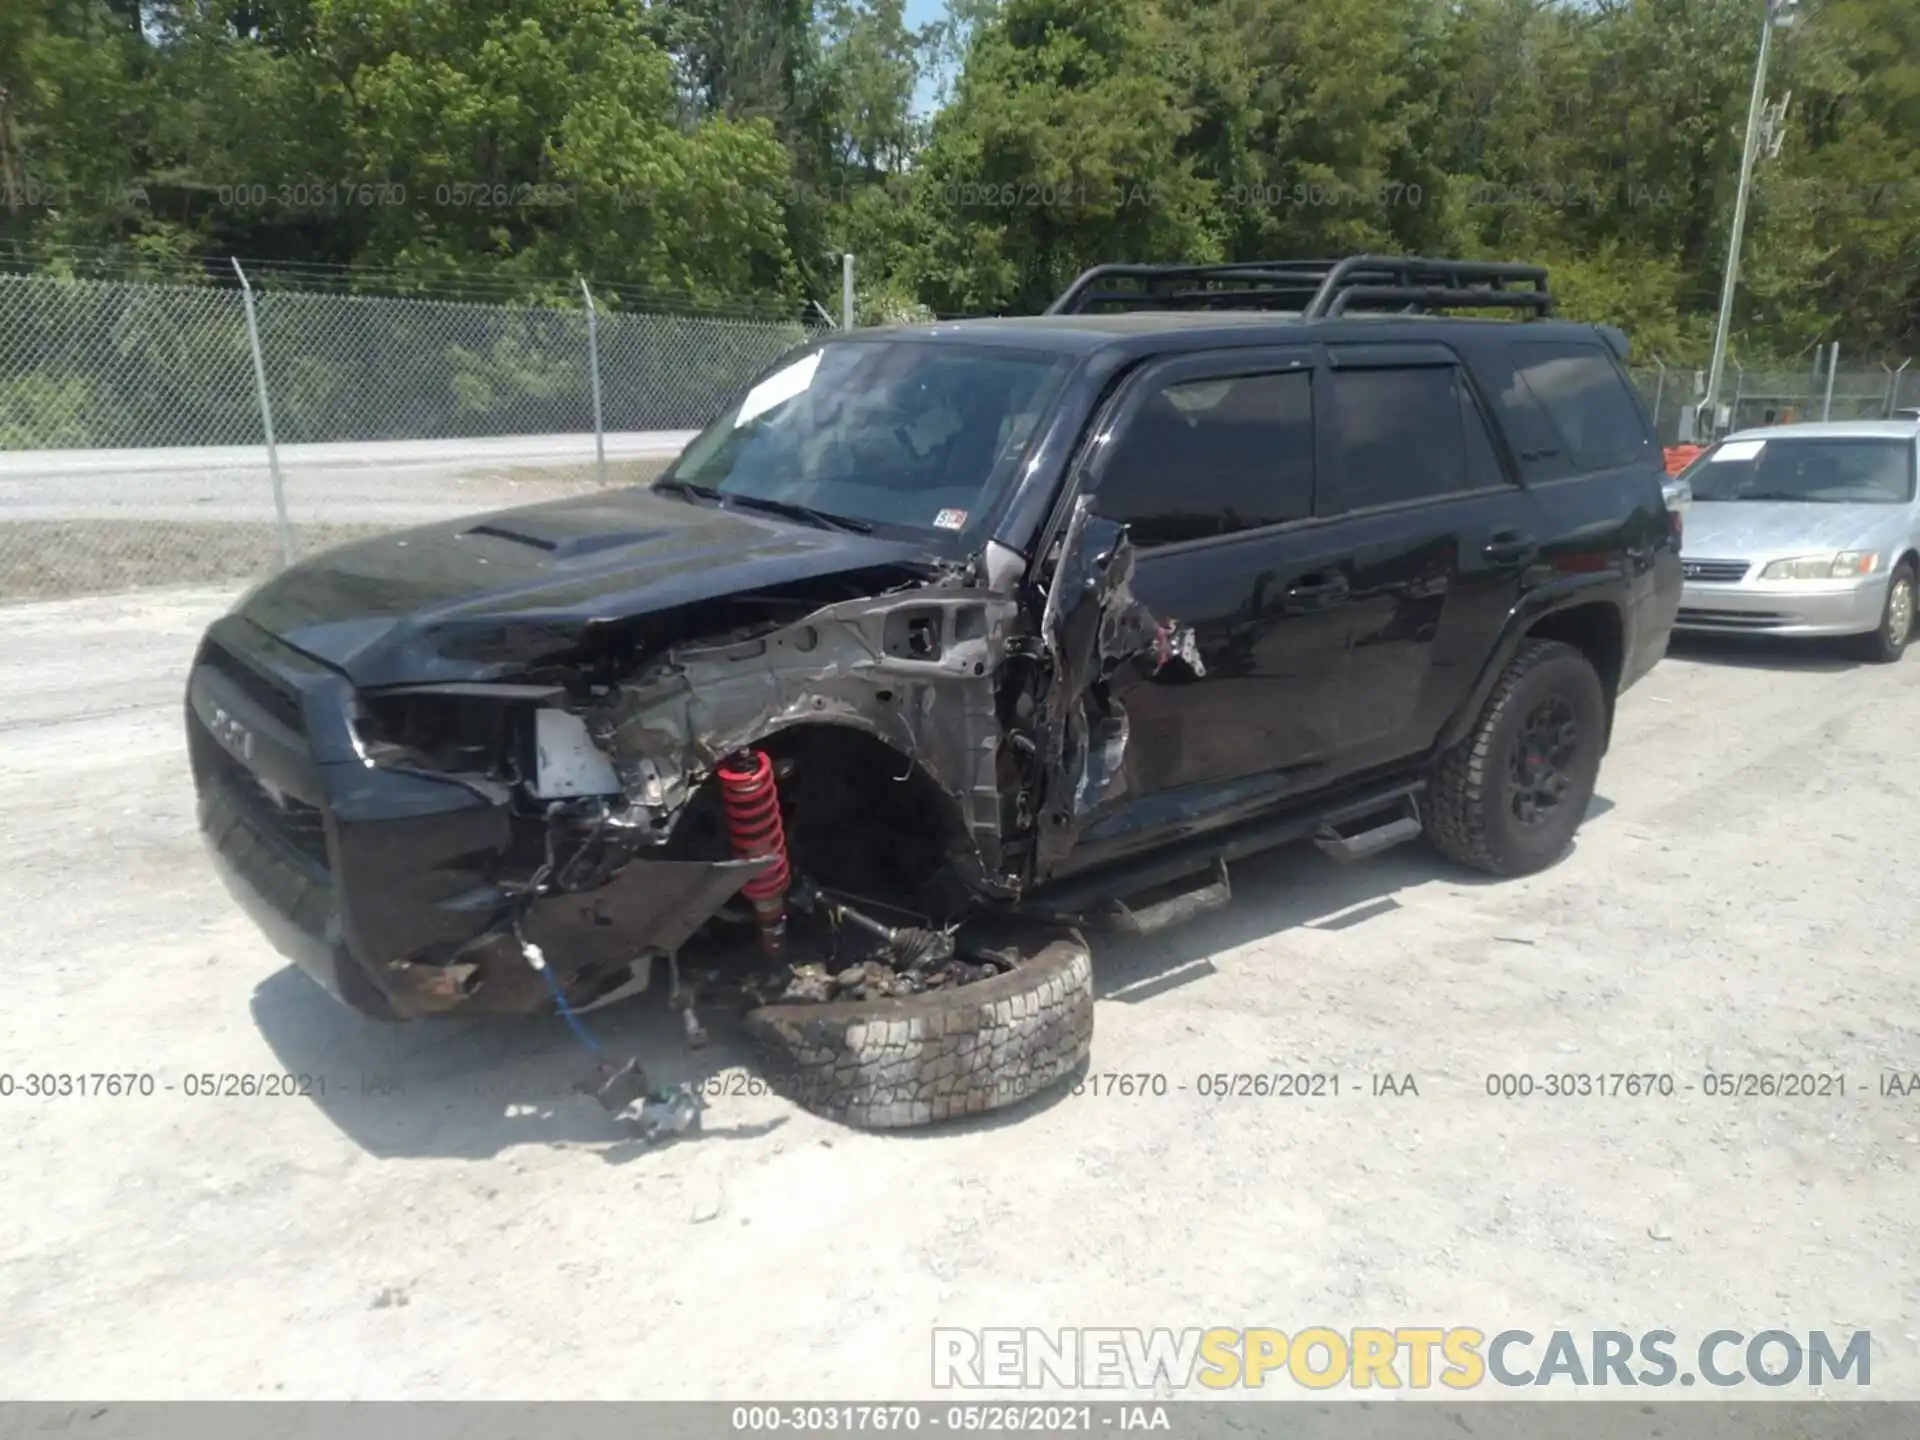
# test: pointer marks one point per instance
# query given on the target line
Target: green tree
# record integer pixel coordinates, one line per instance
(77, 116)
(1835, 253)
(1063, 147)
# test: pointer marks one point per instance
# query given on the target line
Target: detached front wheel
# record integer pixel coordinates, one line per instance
(941, 1055)
(1508, 798)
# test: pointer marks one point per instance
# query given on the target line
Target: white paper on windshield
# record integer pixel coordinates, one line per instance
(778, 388)
(1738, 450)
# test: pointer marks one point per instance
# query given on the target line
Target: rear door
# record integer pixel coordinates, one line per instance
(1438, 536)
(1212, 467)
(1585, 448)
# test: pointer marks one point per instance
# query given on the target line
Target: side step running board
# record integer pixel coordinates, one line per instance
(1384, 829)
(1076, 897)
(1211, 893)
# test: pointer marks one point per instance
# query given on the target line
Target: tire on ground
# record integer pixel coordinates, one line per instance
(891, 1064)
(1880, 645)
(1467, 816)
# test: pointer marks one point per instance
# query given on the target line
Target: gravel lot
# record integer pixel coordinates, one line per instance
(448, 1221)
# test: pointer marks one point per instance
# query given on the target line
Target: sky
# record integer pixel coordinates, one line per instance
(924, 12)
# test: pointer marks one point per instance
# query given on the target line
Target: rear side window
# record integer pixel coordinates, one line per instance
(1205, 458)
(1587, 399)
(1483, 461)
(1402, 436)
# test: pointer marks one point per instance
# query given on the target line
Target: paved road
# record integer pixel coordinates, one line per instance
(1740, 900)
(396, 483)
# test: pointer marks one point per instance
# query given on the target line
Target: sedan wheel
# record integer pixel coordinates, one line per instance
(1889, 642)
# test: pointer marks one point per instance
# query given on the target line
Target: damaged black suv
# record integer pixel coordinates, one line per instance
(944, 642)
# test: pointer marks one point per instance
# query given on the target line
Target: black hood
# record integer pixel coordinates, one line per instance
(480, 597)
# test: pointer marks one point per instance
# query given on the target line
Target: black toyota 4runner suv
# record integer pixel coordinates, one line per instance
(944, 644)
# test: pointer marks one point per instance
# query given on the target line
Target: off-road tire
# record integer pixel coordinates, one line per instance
(1468, 819)
(891, 1064)
(1880, 645)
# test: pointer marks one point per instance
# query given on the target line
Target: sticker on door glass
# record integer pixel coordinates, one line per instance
(1738, 450)
(950, 520)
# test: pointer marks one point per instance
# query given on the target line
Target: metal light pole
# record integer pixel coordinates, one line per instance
(593, 375)
(1779, 12)
(1893, 386)
(266, 414)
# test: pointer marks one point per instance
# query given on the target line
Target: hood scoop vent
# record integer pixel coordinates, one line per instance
(501, 532)
(565, 546)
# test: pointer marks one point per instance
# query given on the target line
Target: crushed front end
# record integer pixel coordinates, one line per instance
(878, 755)
(390, 844)
(411, 846)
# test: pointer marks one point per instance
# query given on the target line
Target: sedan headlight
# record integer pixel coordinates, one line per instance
(1847, 565)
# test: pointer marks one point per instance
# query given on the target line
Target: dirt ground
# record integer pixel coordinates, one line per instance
(447, 1220)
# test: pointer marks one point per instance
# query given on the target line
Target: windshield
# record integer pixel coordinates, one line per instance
(889, 432)
(1824, 471)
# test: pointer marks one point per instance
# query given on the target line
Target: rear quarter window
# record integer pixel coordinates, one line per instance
(1586, 400)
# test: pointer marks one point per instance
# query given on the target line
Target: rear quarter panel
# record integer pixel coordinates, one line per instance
(1609, 543)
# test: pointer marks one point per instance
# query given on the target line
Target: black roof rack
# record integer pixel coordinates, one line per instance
(1315, 289)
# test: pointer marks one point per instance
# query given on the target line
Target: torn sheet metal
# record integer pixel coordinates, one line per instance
(647, 905)
(1173, 641)
(566, 761)
(1092, 625)
(917, 669)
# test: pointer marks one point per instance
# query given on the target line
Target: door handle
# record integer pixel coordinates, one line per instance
(1317, 592)
(1511, 547)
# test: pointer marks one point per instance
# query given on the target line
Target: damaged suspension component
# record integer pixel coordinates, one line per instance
(751, 797)
(905, 947)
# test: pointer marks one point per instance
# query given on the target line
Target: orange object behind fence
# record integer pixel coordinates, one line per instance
(1681, 456)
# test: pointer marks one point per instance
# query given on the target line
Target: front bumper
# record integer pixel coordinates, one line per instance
(386, 886)
(1783, 607)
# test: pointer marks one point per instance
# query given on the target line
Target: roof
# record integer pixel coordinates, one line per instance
(1833, 430)
(1085, 332)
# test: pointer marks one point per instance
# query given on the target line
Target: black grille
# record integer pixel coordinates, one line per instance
(301, 825)
(1733, 619)
(270, 693)
(1717, 572)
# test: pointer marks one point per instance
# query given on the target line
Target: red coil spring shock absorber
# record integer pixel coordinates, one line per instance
(752, 801)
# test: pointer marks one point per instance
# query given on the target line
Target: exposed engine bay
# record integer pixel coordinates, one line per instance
(823, 802)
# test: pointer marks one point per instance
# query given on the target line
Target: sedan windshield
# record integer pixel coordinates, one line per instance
(882, 432)
(1823, 471)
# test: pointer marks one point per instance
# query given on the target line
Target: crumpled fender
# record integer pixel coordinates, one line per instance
(1091, 625)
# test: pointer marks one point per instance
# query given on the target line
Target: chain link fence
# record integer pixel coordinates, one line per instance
(133, 441)
(1775, 395)
(132, 437)
(90, 364)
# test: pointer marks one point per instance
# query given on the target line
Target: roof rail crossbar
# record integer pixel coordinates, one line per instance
(1361, 277)
(1270, 297)
(1315, 289)
(1416, 299)
(1081, 294)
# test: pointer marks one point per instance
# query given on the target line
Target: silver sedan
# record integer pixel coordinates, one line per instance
(1805, 530)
